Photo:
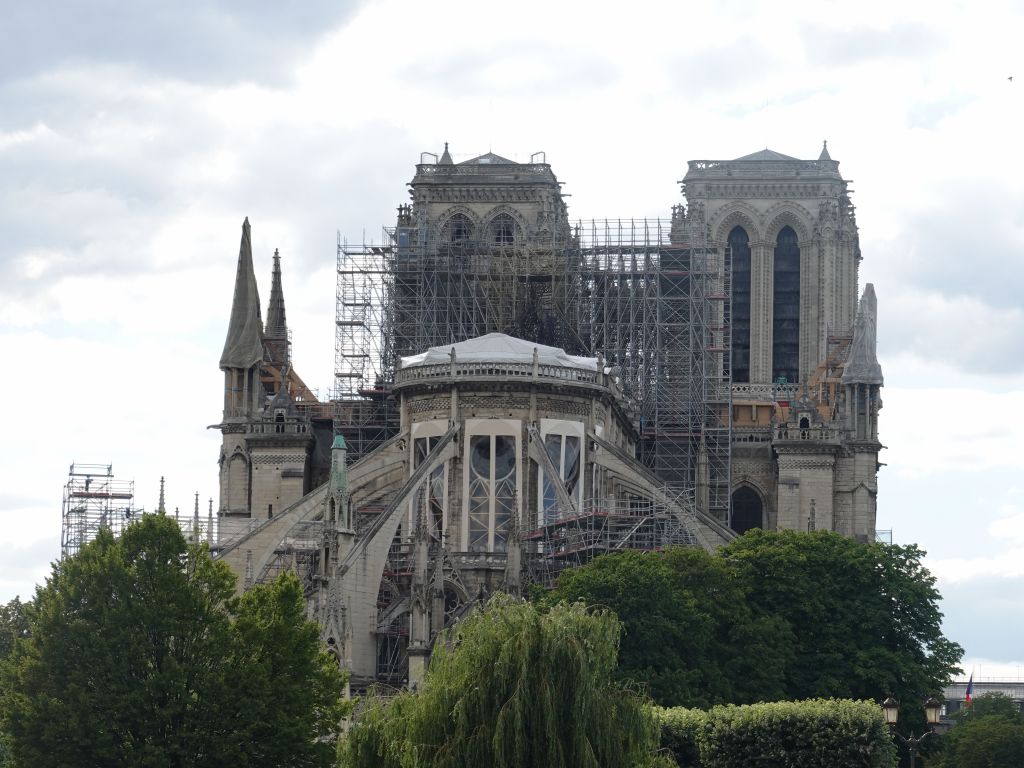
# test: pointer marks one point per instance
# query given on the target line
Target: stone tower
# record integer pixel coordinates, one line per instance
(793, 235)
(267, 440)
(482, 234)
(805, 379)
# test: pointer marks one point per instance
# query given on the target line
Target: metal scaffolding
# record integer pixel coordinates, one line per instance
(650, 295)
(601, 527)
(94, 500)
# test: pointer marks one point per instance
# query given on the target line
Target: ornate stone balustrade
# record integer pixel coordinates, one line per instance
(763, 392)
(483, 169)
(816, 433)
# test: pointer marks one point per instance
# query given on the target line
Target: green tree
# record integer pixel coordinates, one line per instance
(512, 686)
(989, 704)
(690, 632)
(135, 658)
(864, 618)
(996, 741)
(13, 625)
(990, 732)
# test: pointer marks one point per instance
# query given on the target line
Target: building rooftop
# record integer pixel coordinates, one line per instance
(765, 164)
(499, 348)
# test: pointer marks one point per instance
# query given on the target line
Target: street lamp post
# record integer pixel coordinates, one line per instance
(892, 710)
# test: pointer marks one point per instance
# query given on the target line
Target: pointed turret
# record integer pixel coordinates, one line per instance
(446, 159)
(861, 364)
(243, 347)
(277, 323)
(824, 151)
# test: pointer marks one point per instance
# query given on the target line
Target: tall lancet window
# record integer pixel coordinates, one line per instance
(786, 308)
(739, 244)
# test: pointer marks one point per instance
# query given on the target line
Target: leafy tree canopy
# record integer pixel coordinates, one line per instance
(512, 686)
(992, 703)
(775, 615)
(865, 617)
(13, 625)
(691, 633)
(139, 655)
(995, 741)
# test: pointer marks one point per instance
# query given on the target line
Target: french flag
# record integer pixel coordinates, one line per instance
(970, 689)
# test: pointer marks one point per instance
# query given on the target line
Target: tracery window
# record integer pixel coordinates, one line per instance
(431, 499)
(457, 230)
(739, 243)
(503, 230)
(563, 444)
(492, 488)
(786, 308)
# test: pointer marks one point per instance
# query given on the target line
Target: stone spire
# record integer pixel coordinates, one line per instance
(446, 159)
(276, 331)
(243, 347)
(824, 151)
(861, 364)
(277, 323)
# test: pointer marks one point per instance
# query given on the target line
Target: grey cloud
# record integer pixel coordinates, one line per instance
(844, 46)
(87, 194)
(965, 250)
(202, 40)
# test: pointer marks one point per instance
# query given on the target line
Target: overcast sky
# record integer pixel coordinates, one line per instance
(134, 138)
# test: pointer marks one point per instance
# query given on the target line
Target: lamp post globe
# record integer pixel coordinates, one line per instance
(892, 710)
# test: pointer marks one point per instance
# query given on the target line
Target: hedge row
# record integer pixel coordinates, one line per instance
(785, 734)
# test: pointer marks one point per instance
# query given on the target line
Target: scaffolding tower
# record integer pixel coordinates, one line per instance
(650, 295)
(94, 500)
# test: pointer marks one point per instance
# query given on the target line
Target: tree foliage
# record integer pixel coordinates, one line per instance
(989, 704)
(864, 617)
(512, 687)
(13, 625)
(691, 633)
(139, 655)
(990, 733)
(774, 616)
(996, 741)
(784, 734)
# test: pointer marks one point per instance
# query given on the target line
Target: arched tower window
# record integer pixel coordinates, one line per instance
(739, 244)
(786, 308)
(457, 230)
(747, 510)
(333, 516)
(503, 230)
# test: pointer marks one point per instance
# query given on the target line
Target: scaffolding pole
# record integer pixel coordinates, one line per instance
(94, 500)
(651, 295)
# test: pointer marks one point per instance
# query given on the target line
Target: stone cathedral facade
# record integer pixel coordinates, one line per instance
(515, 450)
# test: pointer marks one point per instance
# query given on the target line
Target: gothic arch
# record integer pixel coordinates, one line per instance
(737, 214)
(789, 214)
(506, 210)
(749, 507)
(451, 213)
(238, 481)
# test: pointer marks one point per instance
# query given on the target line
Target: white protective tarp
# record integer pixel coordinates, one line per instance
(499, 348)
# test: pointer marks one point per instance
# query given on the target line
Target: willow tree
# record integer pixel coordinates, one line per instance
(513, 686)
